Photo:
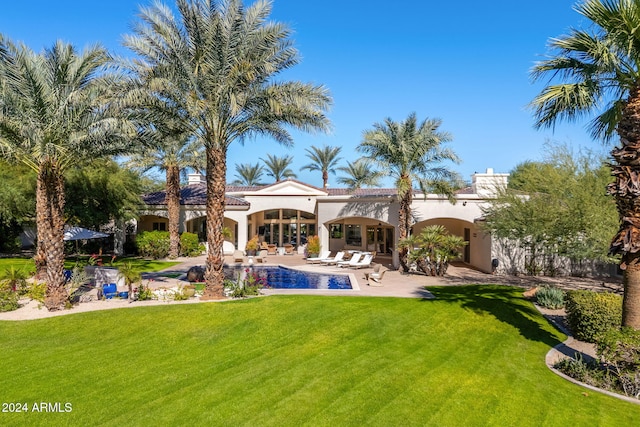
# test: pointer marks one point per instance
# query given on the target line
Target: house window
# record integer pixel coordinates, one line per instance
(335, 231)
(159, 226)
(354, 235)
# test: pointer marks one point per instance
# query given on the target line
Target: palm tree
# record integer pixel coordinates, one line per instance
(172, 153)
(360, 174)
(248, 174)
(53, 116)
(323, 159)
(598, 72)
(411, 153)
(278, 167)
(216, 65)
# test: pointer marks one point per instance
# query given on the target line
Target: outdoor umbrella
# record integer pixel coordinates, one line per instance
(79, 233)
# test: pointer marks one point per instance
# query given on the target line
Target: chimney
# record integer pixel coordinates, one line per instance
(488, 184)
(196, 178)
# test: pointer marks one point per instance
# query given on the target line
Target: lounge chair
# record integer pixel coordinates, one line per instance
(375, 278)
(353, 261)
(262, 256)
(328, 261)
(319, 258)
(288, 249)
(364, 263)
(272, 249)
(238, 256)
(264, 245)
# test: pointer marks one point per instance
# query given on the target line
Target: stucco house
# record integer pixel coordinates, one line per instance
(367, 219)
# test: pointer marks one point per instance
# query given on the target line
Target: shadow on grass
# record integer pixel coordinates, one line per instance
(505, 303)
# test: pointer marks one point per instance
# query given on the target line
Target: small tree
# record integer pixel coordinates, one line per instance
(130, 276)
(432, 249)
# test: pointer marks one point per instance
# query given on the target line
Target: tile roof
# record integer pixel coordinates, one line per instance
(194, 194)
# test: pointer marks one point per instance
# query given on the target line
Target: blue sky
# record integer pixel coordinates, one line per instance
(465, 62)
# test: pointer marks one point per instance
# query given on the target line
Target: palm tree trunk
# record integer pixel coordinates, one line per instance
(216, 176)
(406, 197)
(626, 190)
(42, 226)
(173, 209)
(50, 191)
(325, 179)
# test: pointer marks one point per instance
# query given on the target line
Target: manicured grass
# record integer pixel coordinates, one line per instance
(474, 356)
(142, 265)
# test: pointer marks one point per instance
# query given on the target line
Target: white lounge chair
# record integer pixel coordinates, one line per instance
(319, 258)
(355, 258)
(364, 263)
(333, 260)
(238, 256)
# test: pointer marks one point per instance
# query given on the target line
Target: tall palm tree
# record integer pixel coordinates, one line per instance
(360, 173)
(248, 174)
(323, 159)
(278, 167)
(173, 153)
(216, 64)
(53, 116)
(597, 71)
(411, 152)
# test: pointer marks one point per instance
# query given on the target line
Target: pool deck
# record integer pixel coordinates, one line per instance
(395, 283)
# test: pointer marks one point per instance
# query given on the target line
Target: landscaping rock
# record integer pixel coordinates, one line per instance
(195, 274)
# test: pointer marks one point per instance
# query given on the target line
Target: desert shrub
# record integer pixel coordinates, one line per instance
(550, 297)
(37, 291)
(153, 244)
(619, 349)
(249, 285)
(189, 245)
(591, 314)
(8, 298)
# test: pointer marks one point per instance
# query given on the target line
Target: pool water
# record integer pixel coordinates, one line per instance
(287, 278)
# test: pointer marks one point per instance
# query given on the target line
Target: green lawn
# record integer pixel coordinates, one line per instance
(474, 356)
(142, 265)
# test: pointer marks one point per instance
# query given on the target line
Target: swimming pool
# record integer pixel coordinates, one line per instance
(279, 277)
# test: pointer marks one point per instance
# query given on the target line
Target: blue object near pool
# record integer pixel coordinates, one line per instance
(109, 290)
(287, 278)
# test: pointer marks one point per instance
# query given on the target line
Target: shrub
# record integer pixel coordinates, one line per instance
(620, 350)
(313, 245)
(249, 285)
(550, 297)
(591, 314)
(153, 244)
(37, 291)
(8, 298)
(189, 245)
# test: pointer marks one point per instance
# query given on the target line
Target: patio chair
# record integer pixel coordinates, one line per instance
(328, 261)
(355, 258)
(319, 258)
(288, 249)
(262, 256)
(364, 263)
(375, 278)
(238, 256)
(272, 249)
(264, 245)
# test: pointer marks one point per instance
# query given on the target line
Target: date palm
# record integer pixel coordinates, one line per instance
(411, 153)
(248, 174)
(360, 173)
(278, 167)
(173, 153)
(54, 116)
(597, 71)
(216, 65)
(323, 159)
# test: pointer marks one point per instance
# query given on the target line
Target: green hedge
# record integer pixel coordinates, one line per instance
(591, 314)
(189, 245)
(153, 244)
